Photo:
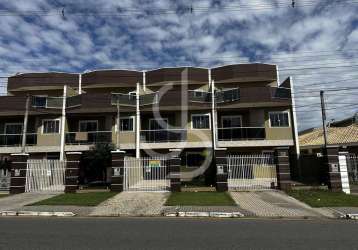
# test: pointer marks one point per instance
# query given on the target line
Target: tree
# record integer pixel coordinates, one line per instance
(94, 163)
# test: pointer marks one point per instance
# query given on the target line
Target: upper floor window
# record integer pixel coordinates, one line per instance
(126, 124)
(51, 126)
(39, 101)
(201, 121)
(279, 119)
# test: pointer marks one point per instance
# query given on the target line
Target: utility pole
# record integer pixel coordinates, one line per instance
(63, 124)
(323, 108)
(24, 129)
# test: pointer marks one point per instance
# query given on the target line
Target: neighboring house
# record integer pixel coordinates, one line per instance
(343, 134)
(250, 112)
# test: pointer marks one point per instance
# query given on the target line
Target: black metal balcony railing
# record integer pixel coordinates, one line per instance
(16, 139)
(87, 138)
(73, 101)
(282, 93)
(148, 99)
(241, 134)
(227, 95)
(123, 99)
(163, 135)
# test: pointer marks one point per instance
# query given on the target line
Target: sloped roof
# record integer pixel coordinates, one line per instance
(336, 136)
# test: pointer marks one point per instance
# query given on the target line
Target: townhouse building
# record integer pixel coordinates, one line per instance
(242, 108)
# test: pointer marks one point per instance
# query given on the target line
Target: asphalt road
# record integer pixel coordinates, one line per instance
(175, 233)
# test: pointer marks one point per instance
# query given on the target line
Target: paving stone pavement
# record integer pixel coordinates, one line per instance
(132, 204)
(272, 204)
(17, 201)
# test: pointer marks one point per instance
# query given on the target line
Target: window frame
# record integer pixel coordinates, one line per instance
(192, 124)
(46, 120)
(84, 121)
(13, 123)
(230, 116)
(41, 96)
(279, 112)
(118, 126)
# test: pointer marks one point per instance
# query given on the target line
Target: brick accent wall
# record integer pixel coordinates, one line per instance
(117, 171)
(174, 173)
(18, 173)
(283, 168)
(72, 171)
(221, 170)
(331, 164)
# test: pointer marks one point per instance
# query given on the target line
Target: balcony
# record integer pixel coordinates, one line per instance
(241, 133)
(15, 140)
(123, 99)
(163, 135)
(281, 93)
(88, 138)
(229, 95)
(199, 96)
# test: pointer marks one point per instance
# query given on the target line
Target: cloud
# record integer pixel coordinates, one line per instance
(148, 34)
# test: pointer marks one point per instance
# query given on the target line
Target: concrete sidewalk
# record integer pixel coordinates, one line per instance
(18, 201)
(273, 204)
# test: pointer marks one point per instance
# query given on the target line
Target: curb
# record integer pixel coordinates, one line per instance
(33, 213)
(204, 214)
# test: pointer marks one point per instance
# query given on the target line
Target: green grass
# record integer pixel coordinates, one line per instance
(200, 199)
(3, 195)
(76, 199)
(323, 198)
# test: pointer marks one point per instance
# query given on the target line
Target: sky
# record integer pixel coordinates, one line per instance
(316, 42)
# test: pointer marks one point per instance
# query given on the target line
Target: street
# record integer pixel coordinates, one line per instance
(175, 233)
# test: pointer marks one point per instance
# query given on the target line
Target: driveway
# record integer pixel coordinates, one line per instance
(132, 204)
(17, 201)
(272, 204)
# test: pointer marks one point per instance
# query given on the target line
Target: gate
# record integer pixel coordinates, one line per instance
(352, 168)
(146, 174)
(45, 176)
(251, 172)
(4, 179)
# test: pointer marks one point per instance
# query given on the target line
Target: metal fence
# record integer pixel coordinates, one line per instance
(4, 180)
(251, 172)
(352, 167)
(45, 176)
(146, 174)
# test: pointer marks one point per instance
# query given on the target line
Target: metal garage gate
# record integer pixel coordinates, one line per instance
(251, 172)
(146, 174)
(45, 176)
(352, 168)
